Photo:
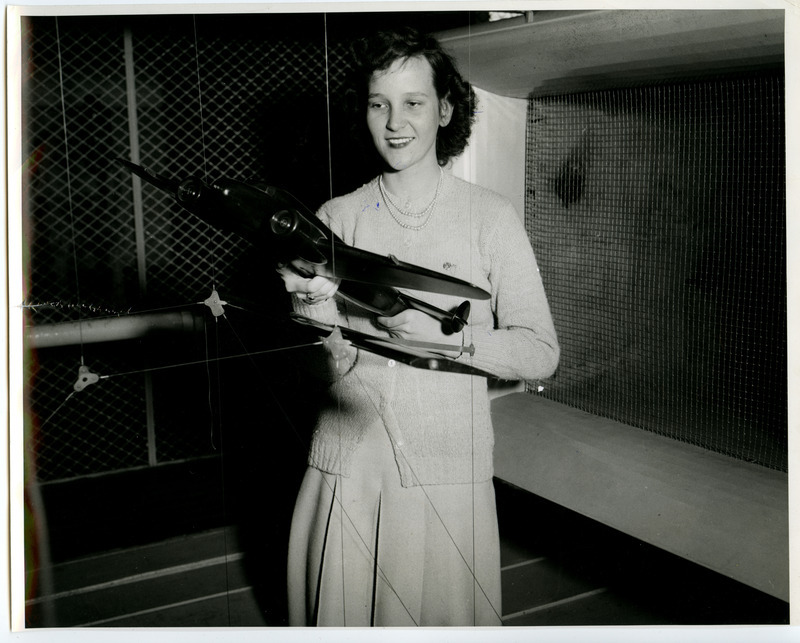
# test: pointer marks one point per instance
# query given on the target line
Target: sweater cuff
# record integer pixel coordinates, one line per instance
(515, 354)
(326, 312)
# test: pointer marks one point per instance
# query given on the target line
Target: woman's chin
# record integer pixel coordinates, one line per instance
(393, 163)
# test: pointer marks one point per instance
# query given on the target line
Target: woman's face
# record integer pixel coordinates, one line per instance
(404, 113)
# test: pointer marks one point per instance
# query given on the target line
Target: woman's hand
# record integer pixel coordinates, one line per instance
(415, 325)
(313, 290)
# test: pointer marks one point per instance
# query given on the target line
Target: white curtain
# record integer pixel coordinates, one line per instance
(495, 156)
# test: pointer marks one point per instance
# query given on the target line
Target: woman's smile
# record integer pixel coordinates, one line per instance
(399, 142)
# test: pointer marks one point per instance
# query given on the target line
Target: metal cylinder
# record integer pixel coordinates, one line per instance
(108, 329)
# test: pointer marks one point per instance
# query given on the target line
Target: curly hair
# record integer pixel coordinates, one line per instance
(379, 50)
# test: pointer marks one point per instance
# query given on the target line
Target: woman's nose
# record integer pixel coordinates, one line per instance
(395, 121)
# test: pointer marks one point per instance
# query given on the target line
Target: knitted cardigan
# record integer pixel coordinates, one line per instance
(439, 423)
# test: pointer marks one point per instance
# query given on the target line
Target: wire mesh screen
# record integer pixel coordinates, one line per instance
(206, 95)
(89, 434)
(658, 218)
(74, 213)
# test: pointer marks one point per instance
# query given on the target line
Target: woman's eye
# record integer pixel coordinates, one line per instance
(413, 104)
(377, 105)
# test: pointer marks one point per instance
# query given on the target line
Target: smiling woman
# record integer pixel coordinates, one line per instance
(395, 523)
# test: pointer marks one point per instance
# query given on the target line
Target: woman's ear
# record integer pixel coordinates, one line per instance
(445, 112)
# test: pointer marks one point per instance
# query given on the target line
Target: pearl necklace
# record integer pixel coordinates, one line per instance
(413, 215)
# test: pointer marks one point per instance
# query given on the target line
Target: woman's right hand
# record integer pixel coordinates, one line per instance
(317, 290)
(313, 290)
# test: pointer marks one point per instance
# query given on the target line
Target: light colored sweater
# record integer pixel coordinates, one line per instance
(439, 423)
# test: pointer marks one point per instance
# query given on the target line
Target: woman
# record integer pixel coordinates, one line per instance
(395, 522)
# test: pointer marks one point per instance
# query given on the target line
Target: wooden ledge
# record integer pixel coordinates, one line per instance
(719, 512)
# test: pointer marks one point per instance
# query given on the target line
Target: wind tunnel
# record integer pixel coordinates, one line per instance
(645, 151)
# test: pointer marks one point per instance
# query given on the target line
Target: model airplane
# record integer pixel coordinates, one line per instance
(294, 236)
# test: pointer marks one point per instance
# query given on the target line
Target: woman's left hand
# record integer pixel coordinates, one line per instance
(415, 325)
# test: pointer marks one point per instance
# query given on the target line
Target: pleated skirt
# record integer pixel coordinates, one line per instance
(366, 551)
